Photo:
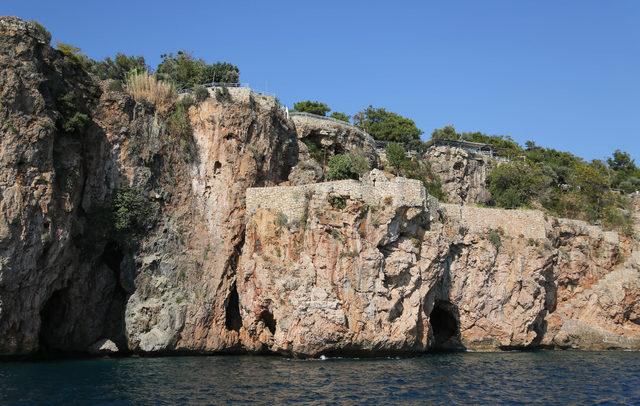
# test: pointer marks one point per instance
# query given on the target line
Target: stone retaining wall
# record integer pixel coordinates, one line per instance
(514, 223)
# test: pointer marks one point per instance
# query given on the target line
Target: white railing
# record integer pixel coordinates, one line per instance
(212, 85)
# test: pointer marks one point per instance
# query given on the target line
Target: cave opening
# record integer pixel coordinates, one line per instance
(112, 256)
(51, 314)
(444, 327)
(114, 327)
(267, 318)
(233, 320)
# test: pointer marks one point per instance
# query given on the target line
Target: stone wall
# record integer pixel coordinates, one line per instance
(513, 223)
(290, 200)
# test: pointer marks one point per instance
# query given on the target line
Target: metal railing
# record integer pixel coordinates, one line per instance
(212, 85)
(331, 119)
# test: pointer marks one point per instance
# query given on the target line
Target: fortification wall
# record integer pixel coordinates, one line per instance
(514, 223)
(291, 200)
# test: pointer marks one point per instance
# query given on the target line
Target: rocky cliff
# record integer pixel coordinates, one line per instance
(320, 138)
(377, 267)
(462, 174)
(117, 235)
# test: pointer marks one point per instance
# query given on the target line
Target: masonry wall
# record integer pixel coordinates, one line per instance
(291, 200)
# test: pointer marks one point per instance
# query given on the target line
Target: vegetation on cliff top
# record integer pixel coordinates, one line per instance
(401, 164)
(387, 126)
(312, 107)
(320, 109)
(185, 71)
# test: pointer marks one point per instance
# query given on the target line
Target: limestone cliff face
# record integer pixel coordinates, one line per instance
(227, 258)
(185, 293)
(346, 267)
(42, 176)
(336, 267)
(463, 174)
(67, 280)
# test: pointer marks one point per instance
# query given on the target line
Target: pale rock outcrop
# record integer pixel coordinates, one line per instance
(186, 274)
(462, 174)
(598, 289)
(104, 347)
(335, 267)
(327, 137)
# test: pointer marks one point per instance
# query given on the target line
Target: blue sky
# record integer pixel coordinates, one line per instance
(565, 74)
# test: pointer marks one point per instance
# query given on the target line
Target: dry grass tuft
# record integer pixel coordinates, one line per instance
(144, 86)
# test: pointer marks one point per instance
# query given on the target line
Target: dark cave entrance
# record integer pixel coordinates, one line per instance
(112, 256)
(52, 312)
(267, 318)
(444, 327)
(233, 320)
(114, 328)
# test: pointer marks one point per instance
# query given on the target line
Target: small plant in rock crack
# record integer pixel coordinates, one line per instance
(338, 202)
(281, 219)
(495, 238)
(131, 210)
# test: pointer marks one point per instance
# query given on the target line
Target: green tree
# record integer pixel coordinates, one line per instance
(312, 107)
(347, 166)
(340, 116)
(221, 72)
(396, 156)
(516, 184)
(504, 145)
(621, 161)
(75, 55)
(131, 210)
(185, 71)
(387, 126)
(447, 132)
(119, 67)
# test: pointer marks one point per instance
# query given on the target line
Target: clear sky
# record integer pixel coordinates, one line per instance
(565, 74)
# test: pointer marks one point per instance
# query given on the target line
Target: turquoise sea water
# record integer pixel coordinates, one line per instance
(544, 377)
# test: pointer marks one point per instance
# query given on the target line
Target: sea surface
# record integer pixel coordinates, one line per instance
(543, 377)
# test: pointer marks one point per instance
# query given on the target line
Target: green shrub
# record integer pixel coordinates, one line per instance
(185, 71)
(178, 123)
(76, 124)
(40, 29)
(388, 126)
(434, 188)
(75, 55)
(281, 219)
(317, 153)
(312, 107)
(222, 94)
(515, 184)
(338, 202)
(495, 238)
(71, 120)
(119, 67)
(200, 93)
(396, 156)
(618, 219)
(131, 210)
(115, 86)
(340, 116)
(347, 166)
